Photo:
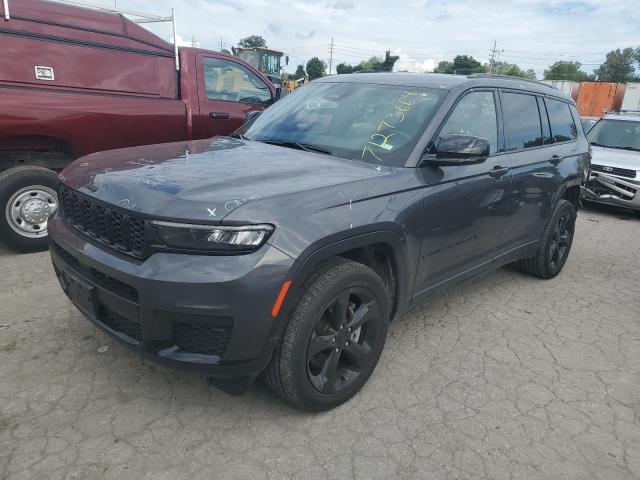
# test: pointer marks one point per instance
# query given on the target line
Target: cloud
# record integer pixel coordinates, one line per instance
(343, 5)
(275, 28)
(227, 3)
(532, 33)
(307, 35)
(408, 64)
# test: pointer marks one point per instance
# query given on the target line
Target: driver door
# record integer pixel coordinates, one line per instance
(227, 91)
(465, 206)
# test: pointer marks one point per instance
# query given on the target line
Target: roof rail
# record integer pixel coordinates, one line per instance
(626, 110)
(140, 18)
(509, 77)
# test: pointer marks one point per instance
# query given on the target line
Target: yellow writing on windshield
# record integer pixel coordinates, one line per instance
(379, 141)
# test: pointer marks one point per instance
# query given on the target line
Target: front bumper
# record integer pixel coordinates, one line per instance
(211, 314)
(613, 190)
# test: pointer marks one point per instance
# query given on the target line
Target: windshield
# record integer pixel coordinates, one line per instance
(374, 123)
(616, 134)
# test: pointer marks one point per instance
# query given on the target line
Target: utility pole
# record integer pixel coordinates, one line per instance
(493, 56)
(331, 49)
(221, 44)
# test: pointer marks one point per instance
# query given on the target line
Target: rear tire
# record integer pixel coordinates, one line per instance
(334, 337)
(555, 244)
(27, 199)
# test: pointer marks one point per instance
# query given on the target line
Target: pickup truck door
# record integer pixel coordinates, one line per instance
(465, 206)
(227, 91)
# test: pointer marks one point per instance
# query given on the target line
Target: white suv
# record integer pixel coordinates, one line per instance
(615, 165)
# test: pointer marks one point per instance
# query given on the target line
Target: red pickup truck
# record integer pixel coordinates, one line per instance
(76, 80)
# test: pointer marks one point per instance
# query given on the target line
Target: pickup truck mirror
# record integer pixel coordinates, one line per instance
(459, 149)
(251, 115)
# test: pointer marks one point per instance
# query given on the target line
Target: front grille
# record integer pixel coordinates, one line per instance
(102, 280)
(206, 340)
(621, 172)
(109, 226)
(120, 324)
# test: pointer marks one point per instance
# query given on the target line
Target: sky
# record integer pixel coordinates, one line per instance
(530, 33)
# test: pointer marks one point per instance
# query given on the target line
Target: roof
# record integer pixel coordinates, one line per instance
(445, 81)
(632, 115)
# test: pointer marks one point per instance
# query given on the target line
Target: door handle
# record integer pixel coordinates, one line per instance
(498, 171)
(219, 116)
(555, 159)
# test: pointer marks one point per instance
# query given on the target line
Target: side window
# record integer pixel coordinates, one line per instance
(226, 80)
(546, 130)
(563, 128)
(521, 121)
(475, 115)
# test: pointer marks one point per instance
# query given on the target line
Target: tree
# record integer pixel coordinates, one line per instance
(343, 68)
(375, 64)
(389, 61)
(316, 68)
(618, 66)
(444, 67)
(300, 73)
(461, 65)
(566, 71)
(511, 69)
(252, 41)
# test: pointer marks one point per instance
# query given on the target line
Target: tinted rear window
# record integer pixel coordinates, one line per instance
(563, 128)
(521, 120)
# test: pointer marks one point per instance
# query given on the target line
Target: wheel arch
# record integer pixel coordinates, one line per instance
(382, 250)
(36, 150)
(569, 190)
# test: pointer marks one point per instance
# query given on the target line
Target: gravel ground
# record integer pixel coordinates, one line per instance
(503, 377)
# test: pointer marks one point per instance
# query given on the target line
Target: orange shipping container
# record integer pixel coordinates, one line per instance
(597, 98)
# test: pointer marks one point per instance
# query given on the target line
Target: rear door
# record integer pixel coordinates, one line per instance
(466, 207)
(227, 91)
(534, 158)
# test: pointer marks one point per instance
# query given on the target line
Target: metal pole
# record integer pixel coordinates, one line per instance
(5, 7)
(175, 39)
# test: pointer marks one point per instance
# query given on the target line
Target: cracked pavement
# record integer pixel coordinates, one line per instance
(504, 377)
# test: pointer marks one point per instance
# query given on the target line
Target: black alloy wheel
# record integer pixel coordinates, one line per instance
(340, 348)
(333, 338)
(561, 241)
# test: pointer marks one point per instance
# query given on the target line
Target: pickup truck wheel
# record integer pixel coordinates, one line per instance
(27, 200)
(334, 338)
(555, 244)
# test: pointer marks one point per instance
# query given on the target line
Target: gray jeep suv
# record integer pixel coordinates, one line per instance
(287, 248)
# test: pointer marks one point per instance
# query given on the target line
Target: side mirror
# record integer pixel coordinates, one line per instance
(278, 93)
(459, 149)
(251, 115)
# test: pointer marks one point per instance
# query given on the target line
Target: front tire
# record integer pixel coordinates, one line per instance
(27, 199)
(334, 338)
(555, 243)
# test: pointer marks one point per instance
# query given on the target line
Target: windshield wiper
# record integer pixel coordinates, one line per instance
(307, 147)
(238, 135)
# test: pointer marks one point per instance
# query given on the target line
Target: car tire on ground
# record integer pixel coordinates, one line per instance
(27, 199)
(555, 244)
(334, 337)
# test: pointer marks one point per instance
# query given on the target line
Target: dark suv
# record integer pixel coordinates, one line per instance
(287, 248)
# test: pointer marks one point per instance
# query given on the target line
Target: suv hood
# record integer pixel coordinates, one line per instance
(615, 157)
(205, 180)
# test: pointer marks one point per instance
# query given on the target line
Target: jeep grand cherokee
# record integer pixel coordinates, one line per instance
(286, 249)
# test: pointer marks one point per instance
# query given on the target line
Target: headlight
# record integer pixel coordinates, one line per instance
(214, 238)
